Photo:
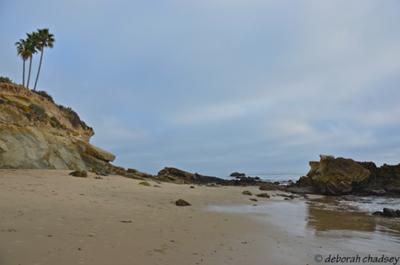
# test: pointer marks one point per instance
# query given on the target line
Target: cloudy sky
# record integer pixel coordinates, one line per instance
(215, 86)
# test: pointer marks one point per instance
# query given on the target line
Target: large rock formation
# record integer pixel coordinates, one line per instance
(336, 176)
(37, 133)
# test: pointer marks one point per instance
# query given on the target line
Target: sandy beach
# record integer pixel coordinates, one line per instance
(49, 217)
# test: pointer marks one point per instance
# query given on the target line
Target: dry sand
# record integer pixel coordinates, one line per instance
(49, 217)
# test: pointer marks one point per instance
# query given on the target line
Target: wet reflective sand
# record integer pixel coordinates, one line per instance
(326, 225)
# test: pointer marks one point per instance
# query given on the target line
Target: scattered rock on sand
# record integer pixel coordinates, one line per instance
(79, 173)
(253, 199)
(387, 212)
(181, 202)
(246, 192)
(263, 195)
(145, 183)
(192, 187)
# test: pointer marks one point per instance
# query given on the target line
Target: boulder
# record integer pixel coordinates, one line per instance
(79, 173)
(97, 152)
(182, 202)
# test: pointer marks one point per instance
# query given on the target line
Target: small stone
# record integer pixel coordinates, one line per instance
(246, 192)
(181, 202)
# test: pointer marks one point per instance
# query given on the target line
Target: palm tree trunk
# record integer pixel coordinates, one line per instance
(40, 65)
(29, 72)
(23, 73)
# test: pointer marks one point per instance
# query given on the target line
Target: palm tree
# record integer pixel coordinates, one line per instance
(31, 47)
(24, 53)
(42, 39)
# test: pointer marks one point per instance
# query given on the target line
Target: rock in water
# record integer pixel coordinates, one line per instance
(387, 212)
(181, 202)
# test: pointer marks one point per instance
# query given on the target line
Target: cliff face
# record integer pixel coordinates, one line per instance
(37, 133)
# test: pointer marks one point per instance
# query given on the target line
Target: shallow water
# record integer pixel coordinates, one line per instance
(334, 223)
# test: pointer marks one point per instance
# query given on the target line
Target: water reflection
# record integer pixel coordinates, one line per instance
(325, 220)
(317, 217)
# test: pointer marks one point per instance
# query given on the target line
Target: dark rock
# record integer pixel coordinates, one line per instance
(263, 195)
(237, 175)
(253, 199)
(181, 202)
(170, 174)
(79, 173)
(131, 171)
(246, 192)
(387, 212)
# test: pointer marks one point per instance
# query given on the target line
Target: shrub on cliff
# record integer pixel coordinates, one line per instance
(37, 113)
(73, 117)
(4, 79)
(44, 94)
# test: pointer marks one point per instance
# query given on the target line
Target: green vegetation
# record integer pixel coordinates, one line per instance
(4, 79)
(44, 94)
(55, 123)
(37, 113)
(73, 117)
(26, 48)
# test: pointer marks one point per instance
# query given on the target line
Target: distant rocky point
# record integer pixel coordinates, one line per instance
(337, 176)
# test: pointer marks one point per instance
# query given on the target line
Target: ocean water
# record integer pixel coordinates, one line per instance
(369, 204)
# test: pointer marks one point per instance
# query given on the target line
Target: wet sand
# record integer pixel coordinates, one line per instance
(49, 217)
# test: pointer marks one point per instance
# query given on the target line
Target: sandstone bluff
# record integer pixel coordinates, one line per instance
(37, 133)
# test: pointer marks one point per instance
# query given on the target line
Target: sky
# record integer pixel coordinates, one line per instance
(216, 86)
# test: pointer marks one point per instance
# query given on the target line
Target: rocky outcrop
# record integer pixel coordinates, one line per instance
(337, 176)
(36, 133)
(170, 174)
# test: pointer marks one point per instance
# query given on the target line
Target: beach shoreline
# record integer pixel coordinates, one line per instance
(50, 217)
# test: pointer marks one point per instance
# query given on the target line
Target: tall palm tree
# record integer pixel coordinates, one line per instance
(25, 49)
(24, 52)
(31, 47)
(43, 39)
